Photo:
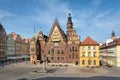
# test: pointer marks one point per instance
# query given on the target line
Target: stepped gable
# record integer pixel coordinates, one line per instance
(89, 41)
(56, 24)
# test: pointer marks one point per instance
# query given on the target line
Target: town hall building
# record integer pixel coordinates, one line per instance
(58, 47)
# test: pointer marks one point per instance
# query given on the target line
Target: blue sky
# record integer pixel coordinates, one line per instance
(95, 18)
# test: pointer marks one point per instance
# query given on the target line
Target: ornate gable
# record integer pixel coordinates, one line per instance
(56, 34)
(18, 38)
(10, 37)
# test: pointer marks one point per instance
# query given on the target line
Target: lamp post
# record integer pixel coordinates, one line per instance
(44, 64)
(44, 59)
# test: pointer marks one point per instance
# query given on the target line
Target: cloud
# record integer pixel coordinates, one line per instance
(4, 14)
(86, 21)
(107, 20)
(53, 9)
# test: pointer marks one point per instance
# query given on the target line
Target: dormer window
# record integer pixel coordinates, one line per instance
(90, 42)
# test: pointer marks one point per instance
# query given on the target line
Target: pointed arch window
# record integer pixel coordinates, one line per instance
(58, 58)
(72, 48)
(62, 52)
(58, 51)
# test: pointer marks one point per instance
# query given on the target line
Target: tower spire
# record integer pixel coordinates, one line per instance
(69, 17)
(69, 22)
(113, 35)
(34, 34)
(40, 30)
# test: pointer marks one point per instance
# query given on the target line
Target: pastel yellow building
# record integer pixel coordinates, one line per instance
(89, 53)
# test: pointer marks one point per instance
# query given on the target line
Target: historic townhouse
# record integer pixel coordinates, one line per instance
(89, 53)
(11, 53)
(110, 51)
(2, 44)
(18, 43)
(25, 48)
(34, 54)
(58, 47)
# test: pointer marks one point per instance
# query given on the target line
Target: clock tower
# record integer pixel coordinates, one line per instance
(72, 42)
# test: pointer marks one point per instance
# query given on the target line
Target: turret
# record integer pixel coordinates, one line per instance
(69, 22)
(113, 35)
(34, 35)
(40, 36)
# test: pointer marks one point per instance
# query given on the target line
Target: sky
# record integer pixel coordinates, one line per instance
(94, 18)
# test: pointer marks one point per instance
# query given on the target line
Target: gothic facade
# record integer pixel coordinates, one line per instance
(59, 47)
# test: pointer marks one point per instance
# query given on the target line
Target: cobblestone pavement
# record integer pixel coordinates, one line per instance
(26, 71)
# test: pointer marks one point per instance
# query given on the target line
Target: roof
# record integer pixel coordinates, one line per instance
(89, 41)
(115, 42)
(14, 35)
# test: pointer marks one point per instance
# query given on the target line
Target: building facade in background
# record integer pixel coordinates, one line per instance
(25, 49)
(110, 51)
(89, 53)
(2, 44)
(11, 52)
(17, 48)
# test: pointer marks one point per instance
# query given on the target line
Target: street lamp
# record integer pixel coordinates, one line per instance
(44, 64)
(44, 59)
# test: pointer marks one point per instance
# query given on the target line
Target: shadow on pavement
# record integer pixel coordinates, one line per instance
(79, 78)
(75, 78)
(52, 70)
(23, 79)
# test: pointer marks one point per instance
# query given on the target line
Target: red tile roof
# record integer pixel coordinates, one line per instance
(89, 41)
